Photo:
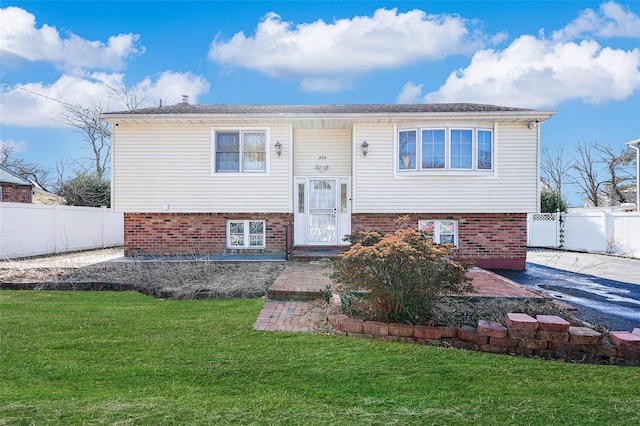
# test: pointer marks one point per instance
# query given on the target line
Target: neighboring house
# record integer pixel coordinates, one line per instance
(261, 178)
(14, 188)
(42, 196)
(605, 199)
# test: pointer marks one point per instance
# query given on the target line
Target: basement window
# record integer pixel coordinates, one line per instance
(245, 234)
(440, 231)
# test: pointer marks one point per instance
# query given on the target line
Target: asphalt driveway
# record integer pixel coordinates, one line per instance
(605, 290)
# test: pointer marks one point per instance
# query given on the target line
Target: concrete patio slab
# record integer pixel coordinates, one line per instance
(615, 268)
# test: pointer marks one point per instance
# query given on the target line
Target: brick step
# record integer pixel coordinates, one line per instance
(311, 253)
(299, 295)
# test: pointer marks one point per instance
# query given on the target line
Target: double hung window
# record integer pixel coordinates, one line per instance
(433, 149)
(407, 150)
(245, 234)
(240, 151)
(451, 149)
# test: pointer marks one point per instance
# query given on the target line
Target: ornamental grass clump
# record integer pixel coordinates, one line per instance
(398, 276)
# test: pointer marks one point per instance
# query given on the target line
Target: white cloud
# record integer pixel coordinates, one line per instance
(325, 85)
(15, 146)
(612, 20)
(170, 86)
(22, 39)
(40, 105)
(410, 93)
(541, 73)
(327, 55)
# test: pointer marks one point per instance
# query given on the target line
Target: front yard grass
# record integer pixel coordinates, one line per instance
(124, 358)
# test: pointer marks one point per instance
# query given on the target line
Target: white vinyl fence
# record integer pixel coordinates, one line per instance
(36, 229)
(592, 231)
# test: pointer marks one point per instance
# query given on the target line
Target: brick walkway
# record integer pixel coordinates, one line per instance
(290, 305)
(290, 315)
(490, 284)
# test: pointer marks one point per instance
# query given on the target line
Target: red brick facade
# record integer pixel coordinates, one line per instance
(197, 233)
(491, 240)
(14, 193)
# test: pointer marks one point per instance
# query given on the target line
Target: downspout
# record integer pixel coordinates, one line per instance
(635, 144)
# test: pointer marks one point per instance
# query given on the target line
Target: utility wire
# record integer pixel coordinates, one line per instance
(39, 94)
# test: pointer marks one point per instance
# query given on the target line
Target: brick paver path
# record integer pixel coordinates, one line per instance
(290, 305)
(290, 315)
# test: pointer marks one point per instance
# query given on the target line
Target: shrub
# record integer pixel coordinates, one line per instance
(398, 276)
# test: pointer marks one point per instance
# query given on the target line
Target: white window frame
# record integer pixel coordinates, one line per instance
(449, 144)
(434, 129)
(241, 131)
(246, 234)
(437, 229)
(447, 169)
(418, 151)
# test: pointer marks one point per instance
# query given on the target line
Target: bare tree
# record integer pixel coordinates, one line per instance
(27, 170)
(618, 166)
(127, 94)
(589, 162)
(586, 171)
(555, 169)
(96, 133)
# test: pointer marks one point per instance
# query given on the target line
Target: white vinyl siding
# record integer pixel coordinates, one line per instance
(322, 153)
(168, 168)
(511, 186)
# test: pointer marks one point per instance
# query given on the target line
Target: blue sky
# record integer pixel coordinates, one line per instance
(579, 58)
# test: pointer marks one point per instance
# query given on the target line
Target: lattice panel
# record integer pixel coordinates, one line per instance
(543, 217)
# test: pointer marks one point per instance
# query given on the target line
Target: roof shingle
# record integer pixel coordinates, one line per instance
(322, 109)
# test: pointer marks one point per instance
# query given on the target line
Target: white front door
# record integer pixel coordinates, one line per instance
(322, 210)
(323, 213)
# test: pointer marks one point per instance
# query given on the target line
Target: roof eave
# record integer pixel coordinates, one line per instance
(524, 116)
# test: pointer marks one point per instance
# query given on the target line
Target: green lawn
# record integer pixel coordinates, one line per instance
(123, 358)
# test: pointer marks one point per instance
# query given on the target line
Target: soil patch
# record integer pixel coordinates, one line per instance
(175, 280)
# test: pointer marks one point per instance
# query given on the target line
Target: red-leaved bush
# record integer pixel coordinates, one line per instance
(398, 276)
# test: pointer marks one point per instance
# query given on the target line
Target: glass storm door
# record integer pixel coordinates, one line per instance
(322, 213)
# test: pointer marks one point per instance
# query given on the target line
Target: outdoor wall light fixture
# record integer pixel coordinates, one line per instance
(534, 124)
(278, 147)
(364, 148)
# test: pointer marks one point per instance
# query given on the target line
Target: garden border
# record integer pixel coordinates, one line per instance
(546, 336)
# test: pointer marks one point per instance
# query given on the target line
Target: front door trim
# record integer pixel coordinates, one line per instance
(309, 217)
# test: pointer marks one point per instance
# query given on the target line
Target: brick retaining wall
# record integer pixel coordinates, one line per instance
(545, 336)
(491, 240)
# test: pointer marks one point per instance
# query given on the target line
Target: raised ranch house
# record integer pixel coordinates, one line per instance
(212, 179)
